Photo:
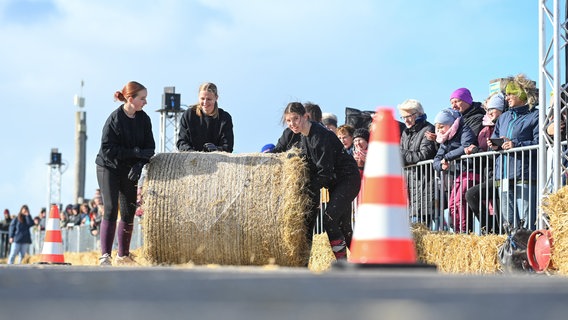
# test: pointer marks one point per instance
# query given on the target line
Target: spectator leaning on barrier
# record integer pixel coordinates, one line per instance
(415, 146)
(516, 173)
(454, 136)
(471, 112)
(480, 196)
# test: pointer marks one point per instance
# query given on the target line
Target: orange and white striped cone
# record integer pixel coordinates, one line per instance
(382, 236)
(52, 251)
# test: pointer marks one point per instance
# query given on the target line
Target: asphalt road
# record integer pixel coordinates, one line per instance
(77, 292)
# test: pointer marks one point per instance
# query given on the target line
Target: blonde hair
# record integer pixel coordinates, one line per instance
(526, 84)
(411, 105)
(209, 87)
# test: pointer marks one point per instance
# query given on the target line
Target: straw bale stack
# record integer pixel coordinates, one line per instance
(458, 253)
(228, 209)
(555, 206)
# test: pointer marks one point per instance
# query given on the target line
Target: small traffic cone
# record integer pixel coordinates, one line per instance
(52, 251)
(382, 236)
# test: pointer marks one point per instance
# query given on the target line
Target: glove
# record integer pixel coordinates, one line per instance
(209, 147)
(135, 172)
(145, 154)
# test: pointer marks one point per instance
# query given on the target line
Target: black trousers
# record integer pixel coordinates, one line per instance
(475, 197)
(118, 192)
(337, 214)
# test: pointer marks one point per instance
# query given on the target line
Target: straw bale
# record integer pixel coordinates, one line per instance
(228, 209)
(321, 256)
(555, 206)
(458, 253)
(452, 253)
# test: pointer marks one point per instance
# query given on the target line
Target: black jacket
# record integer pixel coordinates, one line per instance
(287, 141)
(195, 131)
(414, 146)
(473, 118)
(327, 159)
(121, 135)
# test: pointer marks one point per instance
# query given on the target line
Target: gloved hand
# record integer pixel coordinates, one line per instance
(209, 147)
(135, 172)
(145, 154)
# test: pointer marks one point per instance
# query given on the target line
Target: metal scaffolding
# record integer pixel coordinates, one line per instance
(552, 47)
(169, 129)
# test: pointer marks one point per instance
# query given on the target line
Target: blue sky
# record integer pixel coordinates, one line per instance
(261, 55)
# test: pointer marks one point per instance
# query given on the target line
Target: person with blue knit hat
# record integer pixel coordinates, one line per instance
(267, 148)
(472, 112)
(417, 145)
(454, 136)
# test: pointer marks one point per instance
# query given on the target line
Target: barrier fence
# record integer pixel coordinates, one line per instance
(74, 239)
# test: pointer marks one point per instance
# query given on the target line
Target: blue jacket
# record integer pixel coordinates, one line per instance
(519, 124)
(20, 231)
(454, 148)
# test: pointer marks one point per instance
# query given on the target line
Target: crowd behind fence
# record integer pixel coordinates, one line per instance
(74, 239)
(436, 199)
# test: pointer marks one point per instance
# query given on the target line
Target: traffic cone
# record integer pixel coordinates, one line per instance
(382, 236)
(52, 251)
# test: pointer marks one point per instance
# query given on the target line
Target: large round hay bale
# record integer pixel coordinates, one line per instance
(229, 209)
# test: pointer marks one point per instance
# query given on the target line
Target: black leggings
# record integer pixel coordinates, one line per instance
(117, 189)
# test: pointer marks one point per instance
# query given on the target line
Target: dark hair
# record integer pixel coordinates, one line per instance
(293, 107)
(314, 111)
(131, 89)
(21, 215)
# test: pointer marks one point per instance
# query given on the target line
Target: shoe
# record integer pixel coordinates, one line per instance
(105, 260)
(126, 260)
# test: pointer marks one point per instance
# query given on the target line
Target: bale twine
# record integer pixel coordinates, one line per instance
(228, 209)
(555, 206)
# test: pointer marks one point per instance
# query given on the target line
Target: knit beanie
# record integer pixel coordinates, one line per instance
(462, 94)
(497, 101)
(361, 133)
(514, 89)
(447, 116)
(267, 148)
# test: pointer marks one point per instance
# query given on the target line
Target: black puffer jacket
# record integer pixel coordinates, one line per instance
(414, 147)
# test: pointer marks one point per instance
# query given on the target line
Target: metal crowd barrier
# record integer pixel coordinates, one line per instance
(438, 199)
(80, 239)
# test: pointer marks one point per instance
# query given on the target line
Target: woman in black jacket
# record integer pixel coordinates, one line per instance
(415, 147)
(205, 126)
(127, 143)
(330, 167)
(19, 234)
